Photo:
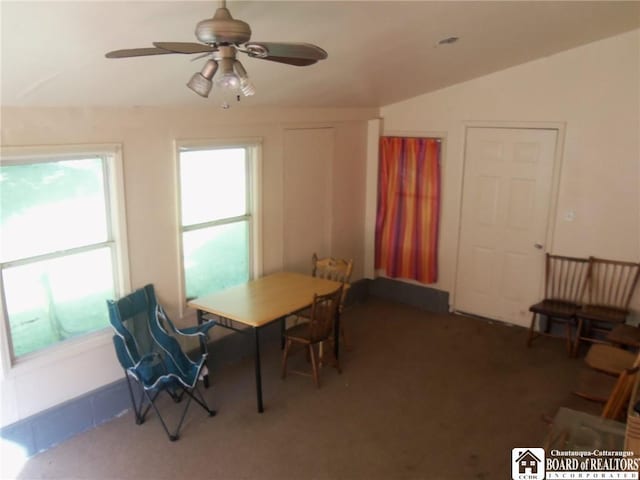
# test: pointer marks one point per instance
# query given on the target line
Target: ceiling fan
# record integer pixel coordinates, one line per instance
(221, 37)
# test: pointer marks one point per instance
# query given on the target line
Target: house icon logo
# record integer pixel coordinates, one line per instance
(527, 464)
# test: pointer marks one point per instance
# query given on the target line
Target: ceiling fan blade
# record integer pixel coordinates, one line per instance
(184, 47)
(298, 62)
(288, 50)
(136, 52)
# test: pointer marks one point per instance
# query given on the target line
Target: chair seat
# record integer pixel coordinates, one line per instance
(554, 308)
(299, 333)
(609, 359)
(594, 385)
(624, 334)
(602, 314)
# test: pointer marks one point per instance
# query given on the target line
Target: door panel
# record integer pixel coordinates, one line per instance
(505, 207)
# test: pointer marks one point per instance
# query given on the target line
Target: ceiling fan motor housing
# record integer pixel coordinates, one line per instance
(223, 28)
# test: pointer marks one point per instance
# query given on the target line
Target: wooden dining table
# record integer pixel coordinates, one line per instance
(261, 302)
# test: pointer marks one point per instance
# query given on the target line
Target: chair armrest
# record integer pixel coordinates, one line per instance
(202, 329)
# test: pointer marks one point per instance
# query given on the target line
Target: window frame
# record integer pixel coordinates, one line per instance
(253, 215)
(113, 178)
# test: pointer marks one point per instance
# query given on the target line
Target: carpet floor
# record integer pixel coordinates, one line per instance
(421, 395)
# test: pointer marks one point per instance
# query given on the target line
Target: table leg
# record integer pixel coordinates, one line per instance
(258, 373)
(203, 349)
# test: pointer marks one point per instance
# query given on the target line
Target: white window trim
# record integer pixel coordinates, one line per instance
(10, 367)
(254, 144)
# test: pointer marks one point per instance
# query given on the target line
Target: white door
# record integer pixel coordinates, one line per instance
(506, 199)
(308, 160)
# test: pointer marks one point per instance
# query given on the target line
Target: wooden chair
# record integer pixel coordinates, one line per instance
(625, 335)
(313, 333)
(610, 288)
(565, 282)
(338, 270)
(609, 359)
(613, 391)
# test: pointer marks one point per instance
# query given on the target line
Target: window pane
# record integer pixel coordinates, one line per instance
(216, 258)
(51, 206)
(57, 299)
(213, 185)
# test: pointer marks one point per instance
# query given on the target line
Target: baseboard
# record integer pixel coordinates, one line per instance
(423, 297)
(50, 427)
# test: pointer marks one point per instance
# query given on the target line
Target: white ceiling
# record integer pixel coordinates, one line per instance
(52, 52)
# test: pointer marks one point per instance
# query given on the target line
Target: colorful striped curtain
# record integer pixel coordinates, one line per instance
(408, 208)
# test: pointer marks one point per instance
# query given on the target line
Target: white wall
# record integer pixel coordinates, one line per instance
(594, 91)
(147, 136)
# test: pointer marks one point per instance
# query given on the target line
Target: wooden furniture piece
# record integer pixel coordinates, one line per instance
(260, 302)
(625, 335)
(609, 359)
(311, 334)
(338, 270)
(608, 379)
(610, 287)
(564, 286)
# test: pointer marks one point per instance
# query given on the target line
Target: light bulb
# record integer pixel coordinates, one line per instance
(227, 78)
(246, 86)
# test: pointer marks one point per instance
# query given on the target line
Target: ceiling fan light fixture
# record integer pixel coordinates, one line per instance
(227, 78)
(246, 86)
(201, 81)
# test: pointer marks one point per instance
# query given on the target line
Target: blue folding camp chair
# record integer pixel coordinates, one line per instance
(152, 358)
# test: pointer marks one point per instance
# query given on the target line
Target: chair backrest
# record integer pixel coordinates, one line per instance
(141, 327)
(566, 278)
(323, 314)
(612, 282)
(336, 269)
(129, 317)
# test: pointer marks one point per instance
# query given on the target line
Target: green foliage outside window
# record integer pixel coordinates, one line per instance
(56, 267)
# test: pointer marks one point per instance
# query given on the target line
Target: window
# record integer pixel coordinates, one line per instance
(60, 257)
(218, 222)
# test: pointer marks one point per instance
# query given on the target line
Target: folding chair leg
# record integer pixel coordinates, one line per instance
(172, 436)
(200, 401)
(137, 408)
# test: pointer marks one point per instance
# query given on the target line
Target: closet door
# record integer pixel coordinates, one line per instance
(308, 163)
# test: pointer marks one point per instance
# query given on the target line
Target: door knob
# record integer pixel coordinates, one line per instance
(539, 246)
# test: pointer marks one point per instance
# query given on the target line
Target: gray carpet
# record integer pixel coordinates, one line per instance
(421, 396)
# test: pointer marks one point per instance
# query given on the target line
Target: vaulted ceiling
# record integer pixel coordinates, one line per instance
(52, 52)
